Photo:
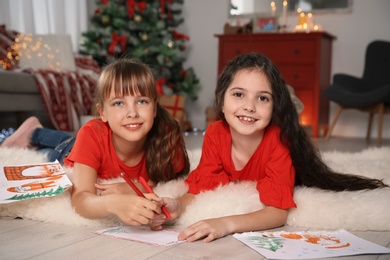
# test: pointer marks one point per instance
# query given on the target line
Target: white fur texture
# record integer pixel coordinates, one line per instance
(362, 210)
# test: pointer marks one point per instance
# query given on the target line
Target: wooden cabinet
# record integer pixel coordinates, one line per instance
(304, 60)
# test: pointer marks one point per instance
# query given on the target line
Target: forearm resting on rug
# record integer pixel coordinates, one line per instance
(211, 229)
(92, 206)
(130, 208)
(84, 198)
(266, 218)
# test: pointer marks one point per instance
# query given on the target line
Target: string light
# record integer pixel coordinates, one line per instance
(305, 22)
(273, 8)
(25, 45)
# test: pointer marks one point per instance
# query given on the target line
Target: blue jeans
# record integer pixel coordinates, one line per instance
(57, 144)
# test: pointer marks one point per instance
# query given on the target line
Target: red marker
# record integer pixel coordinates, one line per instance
(132, 185)
(150, 190)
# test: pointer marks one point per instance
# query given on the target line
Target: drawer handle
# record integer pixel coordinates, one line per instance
(296, 76)
(296, 51)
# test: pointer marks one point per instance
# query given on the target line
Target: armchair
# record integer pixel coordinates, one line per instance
(370, 93)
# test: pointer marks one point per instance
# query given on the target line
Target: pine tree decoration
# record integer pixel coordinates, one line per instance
(145, 30)
(32, 195)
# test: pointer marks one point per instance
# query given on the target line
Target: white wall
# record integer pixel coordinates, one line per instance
(369, 20)
(203, 19)
(46, 17)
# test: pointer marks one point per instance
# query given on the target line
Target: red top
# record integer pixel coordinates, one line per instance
(270, 166)
(93, 147)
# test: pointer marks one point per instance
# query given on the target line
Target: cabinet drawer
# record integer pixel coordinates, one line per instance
(288, 51)
(230, 50)
(298, 76)
(279, 51)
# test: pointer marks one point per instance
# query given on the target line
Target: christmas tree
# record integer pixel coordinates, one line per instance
(145, 30)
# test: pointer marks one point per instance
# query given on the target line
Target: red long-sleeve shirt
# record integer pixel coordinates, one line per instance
(270, 166)
(93, 147)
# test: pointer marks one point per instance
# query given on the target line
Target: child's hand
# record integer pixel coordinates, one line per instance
(174, 208)
(114, 188)
(134, 210)
(209, 229)
(157, 222)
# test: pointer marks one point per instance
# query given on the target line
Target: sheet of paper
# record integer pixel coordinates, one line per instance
(28, 181)
(308, 245)
(143, 234)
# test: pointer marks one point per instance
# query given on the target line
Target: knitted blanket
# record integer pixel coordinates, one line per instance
(68, 94)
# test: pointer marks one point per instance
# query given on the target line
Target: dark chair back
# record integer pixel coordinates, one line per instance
(370, 93)
(377, 64)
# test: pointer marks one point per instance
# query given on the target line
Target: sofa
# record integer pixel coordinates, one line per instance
(19, 92)
(38, 92)
(40, 75)
(20, 98)
(57, 98)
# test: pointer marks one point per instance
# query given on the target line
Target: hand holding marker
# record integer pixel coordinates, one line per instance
(150, 190)
(147, 188)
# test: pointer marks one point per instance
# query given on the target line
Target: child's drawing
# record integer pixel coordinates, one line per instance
(321, 239)
(32, 186)
(20, 182)
(267, 243)
(308, 245)
(23, 172)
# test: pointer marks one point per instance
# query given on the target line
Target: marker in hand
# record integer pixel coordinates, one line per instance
(147, 188)
(132, 185)
(150, 190)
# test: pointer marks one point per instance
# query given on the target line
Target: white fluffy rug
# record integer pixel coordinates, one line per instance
(363, 210)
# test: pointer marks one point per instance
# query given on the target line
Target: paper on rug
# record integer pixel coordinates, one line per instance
(308, 244)
(143, 234)
(35, 180)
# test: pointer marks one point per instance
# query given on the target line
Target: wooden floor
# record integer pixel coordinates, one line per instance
(26, 239)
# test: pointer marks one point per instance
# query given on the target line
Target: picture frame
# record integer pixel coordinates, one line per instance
(265, 23)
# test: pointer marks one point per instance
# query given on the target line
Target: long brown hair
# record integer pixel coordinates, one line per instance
(165, 142)
(311, 171)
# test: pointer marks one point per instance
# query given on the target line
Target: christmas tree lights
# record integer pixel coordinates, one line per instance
(145, 30)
